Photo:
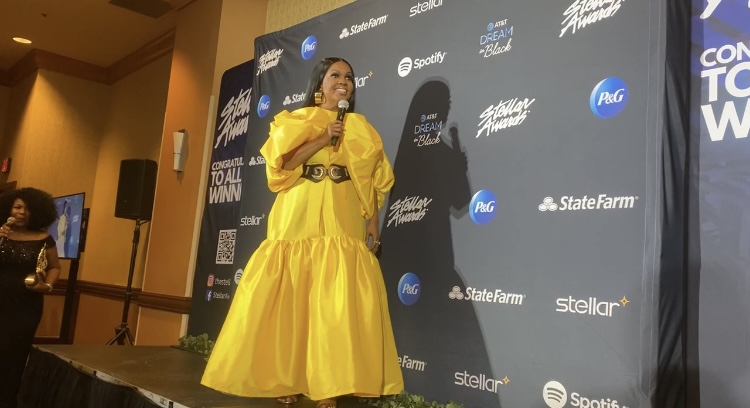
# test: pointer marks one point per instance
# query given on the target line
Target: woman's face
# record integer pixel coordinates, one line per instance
(338, 84)
(20, 212)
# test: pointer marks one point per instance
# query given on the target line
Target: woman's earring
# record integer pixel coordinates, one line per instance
(319, 98)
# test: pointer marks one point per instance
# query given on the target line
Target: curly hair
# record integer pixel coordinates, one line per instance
(42, 211)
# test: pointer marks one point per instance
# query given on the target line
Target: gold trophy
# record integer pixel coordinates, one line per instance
(33, 279)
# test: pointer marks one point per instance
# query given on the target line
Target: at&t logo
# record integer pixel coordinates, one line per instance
(483, 207)
(497, 40)
(609, 97)
(308, 47)
(264, 105)
(409, 289)
(556, 396)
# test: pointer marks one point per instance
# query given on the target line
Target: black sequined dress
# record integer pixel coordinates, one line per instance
(20, 312)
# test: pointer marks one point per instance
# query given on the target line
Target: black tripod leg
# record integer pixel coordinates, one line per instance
(123, 329)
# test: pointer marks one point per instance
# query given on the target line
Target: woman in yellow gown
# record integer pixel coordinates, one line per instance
(310, 315)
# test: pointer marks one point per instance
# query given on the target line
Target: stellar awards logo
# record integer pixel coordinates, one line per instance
(586, 12)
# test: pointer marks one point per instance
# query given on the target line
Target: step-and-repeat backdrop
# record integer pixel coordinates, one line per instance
(720, 121)
(521, 239)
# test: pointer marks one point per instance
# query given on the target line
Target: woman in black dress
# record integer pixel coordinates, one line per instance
(21, 243)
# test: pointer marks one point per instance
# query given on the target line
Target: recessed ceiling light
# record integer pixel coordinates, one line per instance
(21, 40)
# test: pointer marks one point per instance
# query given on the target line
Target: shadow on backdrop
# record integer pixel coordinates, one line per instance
(432, 186)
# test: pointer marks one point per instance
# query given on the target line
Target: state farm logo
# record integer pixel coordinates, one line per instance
(590, 306)
(486, 296)
(294, 98)
(256, 161)
(251, 220)
(581, 203)
(411, 364)
(363, 26)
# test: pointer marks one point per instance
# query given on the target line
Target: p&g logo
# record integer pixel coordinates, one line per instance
(483, 207)
(609, 97)
(264, 105)
(409, 289)
(308, 47)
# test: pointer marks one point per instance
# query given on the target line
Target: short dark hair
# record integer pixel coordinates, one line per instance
(316, 80)
(40, 204)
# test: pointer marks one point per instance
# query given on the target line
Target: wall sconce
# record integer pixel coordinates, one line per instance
(179, 149)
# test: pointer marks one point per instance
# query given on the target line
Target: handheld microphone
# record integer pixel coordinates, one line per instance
(10, 221)
(343, 106)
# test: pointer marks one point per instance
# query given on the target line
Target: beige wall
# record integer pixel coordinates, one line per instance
(85, 129)
(54, 127)
(4, 99)
(211, 37)
(132, 131)
(286, 13)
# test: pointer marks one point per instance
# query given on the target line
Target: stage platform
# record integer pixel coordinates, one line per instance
(155, 376)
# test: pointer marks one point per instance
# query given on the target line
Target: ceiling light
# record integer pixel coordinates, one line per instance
(21, 40)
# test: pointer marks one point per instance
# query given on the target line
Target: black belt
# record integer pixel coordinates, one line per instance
(317, 172)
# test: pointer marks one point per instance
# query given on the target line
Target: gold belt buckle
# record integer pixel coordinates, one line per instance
(319, 173)
(335, 172)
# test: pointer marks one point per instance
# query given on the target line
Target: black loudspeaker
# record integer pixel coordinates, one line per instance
(135, 189)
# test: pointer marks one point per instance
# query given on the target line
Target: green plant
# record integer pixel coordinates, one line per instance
(406, 400)
(199, 344)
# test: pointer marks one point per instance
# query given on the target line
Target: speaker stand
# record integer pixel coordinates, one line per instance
(122, 332)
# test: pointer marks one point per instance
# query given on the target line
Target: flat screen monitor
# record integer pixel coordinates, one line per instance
(66, 230)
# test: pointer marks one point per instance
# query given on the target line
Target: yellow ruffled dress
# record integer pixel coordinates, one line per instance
(310, 315)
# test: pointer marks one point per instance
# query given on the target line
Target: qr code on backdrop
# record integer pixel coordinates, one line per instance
(225, 249)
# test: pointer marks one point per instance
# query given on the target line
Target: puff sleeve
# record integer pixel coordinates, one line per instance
(289, 130)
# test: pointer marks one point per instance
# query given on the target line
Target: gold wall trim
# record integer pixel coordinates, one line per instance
(38, 59)
(4, 78)
(149, 53)
(168, 303)
(159, 301)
